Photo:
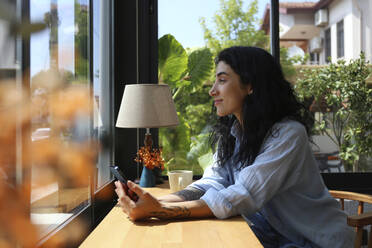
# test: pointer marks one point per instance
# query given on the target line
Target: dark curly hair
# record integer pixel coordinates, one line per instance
(271, 101)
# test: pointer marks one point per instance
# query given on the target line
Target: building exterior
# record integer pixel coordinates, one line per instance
(339, 29)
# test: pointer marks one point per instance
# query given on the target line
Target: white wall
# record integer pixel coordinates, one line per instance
(352, 36)
(365, 7)
(304, 19)
(338, 9)
(323, 143)
(286, 22)
(357, 17)
(341, 10)
(357, 28)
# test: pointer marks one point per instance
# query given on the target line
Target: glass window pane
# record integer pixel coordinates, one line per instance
(59, 85)
(340, 39)
(327, 38)
(10, 100)
(13, 134)
(186, 146)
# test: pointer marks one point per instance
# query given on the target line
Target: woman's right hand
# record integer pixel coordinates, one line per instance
(145, 207)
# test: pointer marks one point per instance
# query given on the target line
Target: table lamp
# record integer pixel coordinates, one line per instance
(147, 106)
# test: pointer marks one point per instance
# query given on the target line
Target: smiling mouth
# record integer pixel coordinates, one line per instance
(217, 102)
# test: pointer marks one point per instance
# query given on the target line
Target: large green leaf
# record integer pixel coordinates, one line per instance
(172, 59)
(205, 160)
(199, 146)
(200, 65)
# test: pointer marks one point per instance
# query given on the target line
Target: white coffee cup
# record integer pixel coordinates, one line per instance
(179, 179)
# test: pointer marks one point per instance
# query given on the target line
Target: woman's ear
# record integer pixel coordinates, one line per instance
(249, 89)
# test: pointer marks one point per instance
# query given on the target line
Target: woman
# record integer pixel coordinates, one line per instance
(264, 169)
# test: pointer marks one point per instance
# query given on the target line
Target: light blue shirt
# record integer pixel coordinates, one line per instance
(285, 185)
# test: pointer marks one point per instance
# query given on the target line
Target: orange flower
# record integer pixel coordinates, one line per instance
(150, 158)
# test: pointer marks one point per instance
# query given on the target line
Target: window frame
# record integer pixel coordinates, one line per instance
(314, 58)
(138, 65)
(141, 62)
(94, 212)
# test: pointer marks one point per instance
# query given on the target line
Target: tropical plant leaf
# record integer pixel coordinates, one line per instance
(172, 59)
(200, 65)
(205, 160)
(176, 139)
(199, 146)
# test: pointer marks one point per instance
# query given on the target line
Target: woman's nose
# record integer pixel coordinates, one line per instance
(212, 91)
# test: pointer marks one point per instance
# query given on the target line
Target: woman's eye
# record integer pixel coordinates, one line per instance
(221, 80)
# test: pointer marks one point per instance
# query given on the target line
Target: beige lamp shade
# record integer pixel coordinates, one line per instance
(147, 106)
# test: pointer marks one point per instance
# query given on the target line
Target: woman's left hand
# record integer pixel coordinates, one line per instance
(145, 207)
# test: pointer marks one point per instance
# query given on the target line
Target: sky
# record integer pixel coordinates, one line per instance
(40, 41)
(181, 18)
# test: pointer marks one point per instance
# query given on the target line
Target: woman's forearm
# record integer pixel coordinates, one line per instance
(185, 209)
(170, 198)
(188, 194)
(148, 206)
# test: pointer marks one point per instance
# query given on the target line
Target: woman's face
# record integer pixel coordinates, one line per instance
(227, 91)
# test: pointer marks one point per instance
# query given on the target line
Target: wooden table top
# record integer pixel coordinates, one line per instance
(116, 230)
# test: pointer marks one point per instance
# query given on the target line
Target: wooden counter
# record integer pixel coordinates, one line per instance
(116, 230)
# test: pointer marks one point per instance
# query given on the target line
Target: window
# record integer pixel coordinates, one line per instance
(327, 46)
(314, 58)
(58, 106)
(186, 146)
(340, 39)
(59, 60)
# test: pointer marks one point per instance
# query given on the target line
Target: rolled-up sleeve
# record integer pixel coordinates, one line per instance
(214, 177)
(275, 169)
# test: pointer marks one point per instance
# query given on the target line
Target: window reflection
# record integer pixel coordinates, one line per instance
(59, 60)
(103, 108)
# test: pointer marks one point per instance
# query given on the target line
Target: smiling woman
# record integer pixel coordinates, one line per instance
(263, 167)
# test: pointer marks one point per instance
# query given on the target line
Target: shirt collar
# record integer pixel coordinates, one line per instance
(236, 130)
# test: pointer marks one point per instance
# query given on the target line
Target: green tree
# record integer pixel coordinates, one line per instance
(81, 41)
(234, 27)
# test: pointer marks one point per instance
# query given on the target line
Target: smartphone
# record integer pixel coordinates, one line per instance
(121, 177)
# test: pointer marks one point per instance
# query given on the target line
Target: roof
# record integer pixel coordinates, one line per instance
(296, 4)
(293, 7)
(296, 7)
